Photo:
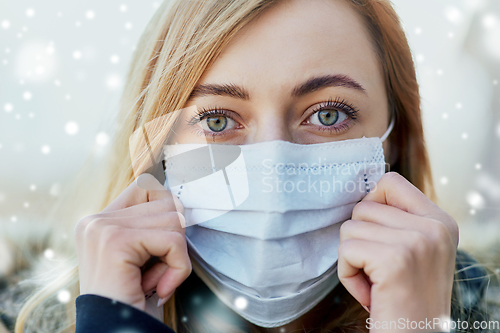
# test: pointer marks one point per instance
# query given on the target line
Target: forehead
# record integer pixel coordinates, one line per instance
(297, 39)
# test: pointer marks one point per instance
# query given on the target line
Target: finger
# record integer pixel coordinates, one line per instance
(398, 238)
(353, 258)
(353, 229)
(164, 205)
(169, 247)
(394, 190)
(167, 221)
(371, 211)
(135, 194)
(152, 276)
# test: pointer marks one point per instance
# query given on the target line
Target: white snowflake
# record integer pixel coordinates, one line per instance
(114, 59)
(64, 296)
(102, 139)
(90, 15)
(45, 149)
(241, 303)
(453, 14)
(77, 54)
(71, 128)
(113, 81)
(489, 21)
(48, 253)
(475, 200)
(50, 49)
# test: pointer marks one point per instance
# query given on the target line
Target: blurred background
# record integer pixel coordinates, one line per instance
(63, 66)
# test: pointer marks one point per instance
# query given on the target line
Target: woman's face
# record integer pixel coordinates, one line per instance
(304, 71)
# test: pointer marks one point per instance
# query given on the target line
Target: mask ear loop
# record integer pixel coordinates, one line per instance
(389, 130)
(393, 119)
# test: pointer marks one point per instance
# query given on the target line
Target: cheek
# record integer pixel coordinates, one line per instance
(391, 153)
(387, 151)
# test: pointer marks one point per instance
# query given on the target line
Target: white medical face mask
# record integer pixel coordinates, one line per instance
(263, 220)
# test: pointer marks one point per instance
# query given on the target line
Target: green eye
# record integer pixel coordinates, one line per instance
(217, 124)
(328, 117)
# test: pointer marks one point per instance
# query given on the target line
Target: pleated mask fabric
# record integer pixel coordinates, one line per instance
(263, 220)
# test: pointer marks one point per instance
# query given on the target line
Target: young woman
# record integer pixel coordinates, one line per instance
(307, 72)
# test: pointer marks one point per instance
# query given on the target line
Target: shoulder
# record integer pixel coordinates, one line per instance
(470, 271)
(19, 255)
(471, 276)
(6, 320)
(9, 277)
(471, 285)
(12, 295)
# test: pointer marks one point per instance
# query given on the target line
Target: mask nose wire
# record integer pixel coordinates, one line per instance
(389, 130)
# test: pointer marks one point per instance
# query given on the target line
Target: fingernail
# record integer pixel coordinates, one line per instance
(367, 308)
(162, 301)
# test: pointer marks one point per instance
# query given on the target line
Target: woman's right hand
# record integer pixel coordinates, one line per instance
(113, 245)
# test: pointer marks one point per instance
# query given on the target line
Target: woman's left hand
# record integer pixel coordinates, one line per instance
(397, 256)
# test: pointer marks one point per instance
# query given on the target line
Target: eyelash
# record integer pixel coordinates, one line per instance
(205, 113)
(338, 104)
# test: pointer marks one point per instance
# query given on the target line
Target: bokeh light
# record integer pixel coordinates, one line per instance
(64, 296)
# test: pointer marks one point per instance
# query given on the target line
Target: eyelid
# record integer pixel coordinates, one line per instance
(202, 113)
(338, 104)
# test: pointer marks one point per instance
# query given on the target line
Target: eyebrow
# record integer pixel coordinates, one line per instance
(311, 85)
(316, 83)
(230, 90)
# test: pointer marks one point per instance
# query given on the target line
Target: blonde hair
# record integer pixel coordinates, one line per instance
(180, 42)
